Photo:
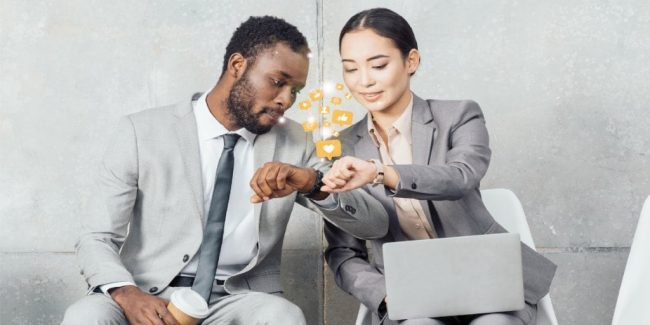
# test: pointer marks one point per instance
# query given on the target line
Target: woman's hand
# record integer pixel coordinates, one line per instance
(348, 173)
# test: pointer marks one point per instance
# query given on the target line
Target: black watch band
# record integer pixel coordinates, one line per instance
(319, 183)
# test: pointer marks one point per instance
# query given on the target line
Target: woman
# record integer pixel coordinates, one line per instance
(423, 159)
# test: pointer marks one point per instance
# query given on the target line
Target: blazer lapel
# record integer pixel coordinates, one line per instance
(188, 143)
(424, 130)
(264, 151)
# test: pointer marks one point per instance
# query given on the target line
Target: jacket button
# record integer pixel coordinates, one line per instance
(186, 258)
(414, 186)
(153, 290)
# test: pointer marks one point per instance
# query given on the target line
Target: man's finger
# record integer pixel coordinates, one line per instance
(281, 178)
(151, 317)
(254, 186)
(271, 177)
(264, 187)
(256, 199)
(166, 316)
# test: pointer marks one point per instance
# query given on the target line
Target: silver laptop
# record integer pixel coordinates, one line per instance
(453, 276)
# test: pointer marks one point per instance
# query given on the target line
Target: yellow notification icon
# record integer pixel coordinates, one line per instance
(305, 104)
(341, 117)
(310, 125)
(324, 110)
(339, 86)
(316, 94)
(328, 149)
(336, 100)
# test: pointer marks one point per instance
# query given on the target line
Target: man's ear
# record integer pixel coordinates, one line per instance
(237, 65)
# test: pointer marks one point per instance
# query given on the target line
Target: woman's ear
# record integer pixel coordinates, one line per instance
(413, 61)
(237, 65)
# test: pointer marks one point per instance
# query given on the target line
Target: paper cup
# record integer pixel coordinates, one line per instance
(187, 306)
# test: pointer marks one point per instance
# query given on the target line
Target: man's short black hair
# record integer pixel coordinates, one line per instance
(260, 33)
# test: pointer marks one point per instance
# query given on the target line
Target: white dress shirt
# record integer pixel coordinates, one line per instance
(240, 236)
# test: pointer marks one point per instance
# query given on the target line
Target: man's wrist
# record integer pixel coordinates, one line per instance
(312, 176)
(118, 292)
(312, 188)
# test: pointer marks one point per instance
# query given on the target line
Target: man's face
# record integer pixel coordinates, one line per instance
(268, 88)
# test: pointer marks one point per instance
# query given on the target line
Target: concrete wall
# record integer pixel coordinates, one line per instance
(564, 87)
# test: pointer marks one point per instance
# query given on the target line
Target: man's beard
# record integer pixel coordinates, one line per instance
(240, 107)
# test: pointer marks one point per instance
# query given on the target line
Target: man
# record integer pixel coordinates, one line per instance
(167, 187)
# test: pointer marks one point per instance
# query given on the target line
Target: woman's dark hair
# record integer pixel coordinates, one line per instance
(386, 23)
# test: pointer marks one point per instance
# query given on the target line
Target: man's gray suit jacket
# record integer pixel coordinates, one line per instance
(150, 184)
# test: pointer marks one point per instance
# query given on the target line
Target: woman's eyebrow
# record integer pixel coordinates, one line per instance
(378, 56)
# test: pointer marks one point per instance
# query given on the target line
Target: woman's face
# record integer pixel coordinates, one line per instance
(375, 70)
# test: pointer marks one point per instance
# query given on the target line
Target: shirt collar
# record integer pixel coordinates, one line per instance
(209, 127)
(402, 124)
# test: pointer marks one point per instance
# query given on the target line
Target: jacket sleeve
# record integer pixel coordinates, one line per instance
(97, 249)
(347, 257)
(466, 162)
(356, 211)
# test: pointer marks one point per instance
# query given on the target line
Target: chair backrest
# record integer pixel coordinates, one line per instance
(632, 304)
(506, 209)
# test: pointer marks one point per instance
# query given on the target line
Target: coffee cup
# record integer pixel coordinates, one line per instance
(187, 306)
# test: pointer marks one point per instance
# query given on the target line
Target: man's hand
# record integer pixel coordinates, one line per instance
(141, 308)
(276, 179)
(348, 173)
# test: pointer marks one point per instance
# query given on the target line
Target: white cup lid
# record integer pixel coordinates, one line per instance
(190, 302)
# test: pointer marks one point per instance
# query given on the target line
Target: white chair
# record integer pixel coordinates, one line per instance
(506, 209)
(632, 306)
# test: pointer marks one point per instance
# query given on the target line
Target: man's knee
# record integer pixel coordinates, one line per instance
(94, 309)
(278, 310)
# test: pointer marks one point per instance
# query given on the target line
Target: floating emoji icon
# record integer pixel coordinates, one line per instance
(339, 86)
(310, 125)
(324, 110)
(341, 117)
(336, 100)
(328, 149)
(305, 104)
(316, 94)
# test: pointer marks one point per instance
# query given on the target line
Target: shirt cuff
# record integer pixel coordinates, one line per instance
(104, 288)
(331, 202)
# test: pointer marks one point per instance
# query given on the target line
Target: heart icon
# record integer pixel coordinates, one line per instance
(328, 148)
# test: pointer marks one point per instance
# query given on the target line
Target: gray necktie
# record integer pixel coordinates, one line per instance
(213, 234)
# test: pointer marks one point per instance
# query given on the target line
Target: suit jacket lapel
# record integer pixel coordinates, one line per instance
(423, 129)
(423, 132)
(264, 151)
(188, 143)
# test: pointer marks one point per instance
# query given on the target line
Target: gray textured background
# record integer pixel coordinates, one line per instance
(564, 87)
